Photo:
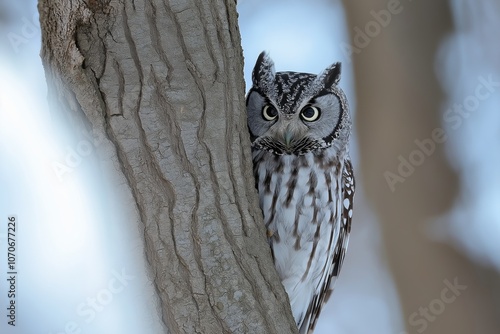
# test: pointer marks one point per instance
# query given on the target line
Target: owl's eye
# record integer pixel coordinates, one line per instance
(269, 112)
(310, 113)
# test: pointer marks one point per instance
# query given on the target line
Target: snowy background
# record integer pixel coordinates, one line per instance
(80, 268)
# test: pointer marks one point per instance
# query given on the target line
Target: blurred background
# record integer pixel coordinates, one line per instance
(423, 81)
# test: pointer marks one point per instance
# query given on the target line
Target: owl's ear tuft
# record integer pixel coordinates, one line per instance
(331, 76)
(263, 70)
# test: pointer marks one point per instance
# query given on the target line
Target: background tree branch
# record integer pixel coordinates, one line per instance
(399, 101)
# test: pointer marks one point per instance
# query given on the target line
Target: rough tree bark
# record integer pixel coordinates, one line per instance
(163, 82)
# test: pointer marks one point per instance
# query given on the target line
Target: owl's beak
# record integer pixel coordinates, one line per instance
(288, 136)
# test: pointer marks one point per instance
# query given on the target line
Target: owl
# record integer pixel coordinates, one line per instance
(299, 127)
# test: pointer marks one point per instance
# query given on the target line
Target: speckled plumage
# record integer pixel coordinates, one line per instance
(304, 178)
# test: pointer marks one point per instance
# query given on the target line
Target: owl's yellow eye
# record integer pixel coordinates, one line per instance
(269, 112)
(310, 113)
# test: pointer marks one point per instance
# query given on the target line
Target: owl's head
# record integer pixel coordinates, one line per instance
(296, 113)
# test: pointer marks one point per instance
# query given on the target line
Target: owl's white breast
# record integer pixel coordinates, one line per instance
(299, 197)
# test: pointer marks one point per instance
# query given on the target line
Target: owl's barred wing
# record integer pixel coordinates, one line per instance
(326, 287)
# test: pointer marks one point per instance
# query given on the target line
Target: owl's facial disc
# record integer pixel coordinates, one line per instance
(278, 132)
(292, 112)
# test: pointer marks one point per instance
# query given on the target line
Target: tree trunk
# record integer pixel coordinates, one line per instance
(162, 81)
(399, 99)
